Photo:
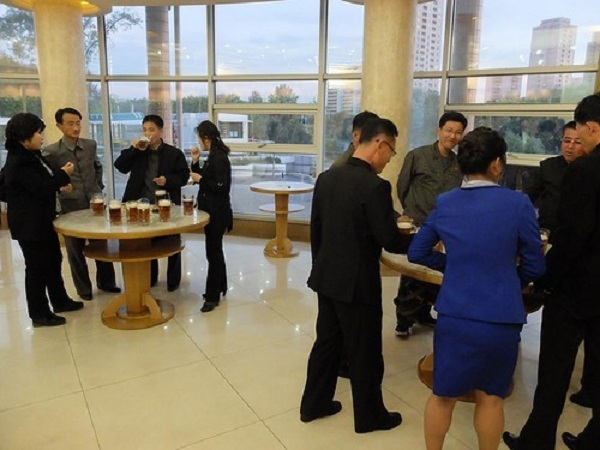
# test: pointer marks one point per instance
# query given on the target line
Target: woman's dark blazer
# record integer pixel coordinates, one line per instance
(215, 184)
(31, 194)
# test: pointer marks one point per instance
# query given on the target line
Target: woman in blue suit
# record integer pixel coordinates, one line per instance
(493, 248)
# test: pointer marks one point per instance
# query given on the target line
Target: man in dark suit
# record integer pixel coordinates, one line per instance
(572, 310)
(352, 219)
(155, 165)
(544, 191)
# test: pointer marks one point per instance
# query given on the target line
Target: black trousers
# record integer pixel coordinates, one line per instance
(587, 375)
(43, 277)
(414, 298)
(357, 328)
(105, 272)
(561, 335)
(173, 265)
(216, 278)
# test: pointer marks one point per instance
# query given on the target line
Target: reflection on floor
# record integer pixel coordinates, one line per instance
(228, 379)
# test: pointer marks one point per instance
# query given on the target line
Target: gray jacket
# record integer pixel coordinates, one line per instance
(344, 157)
(425, 174)
(87, 174)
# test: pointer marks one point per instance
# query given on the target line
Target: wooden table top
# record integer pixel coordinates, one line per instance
(281, 187)
(83, 224)
(400, 263)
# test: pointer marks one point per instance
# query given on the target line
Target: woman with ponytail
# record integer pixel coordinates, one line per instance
(214, 178)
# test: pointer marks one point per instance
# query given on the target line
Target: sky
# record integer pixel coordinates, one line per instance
(282, 37)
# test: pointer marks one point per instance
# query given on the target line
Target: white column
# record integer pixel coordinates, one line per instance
(388, 69)
(61, 60)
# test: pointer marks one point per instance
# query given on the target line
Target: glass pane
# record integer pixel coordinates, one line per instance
(342, 103)
(248, 168)
(429, 36)
(268, 92)
(424, 114)
(267, 128)
(345, 35)
(526, 134)
(90, 36)
(144, 40)
(269, 37)
(17, 41)
(542, 33)
(17, 96)
(131, 101)
(547, 88)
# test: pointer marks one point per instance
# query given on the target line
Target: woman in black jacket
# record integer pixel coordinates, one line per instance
(31, 188)
(213, 197)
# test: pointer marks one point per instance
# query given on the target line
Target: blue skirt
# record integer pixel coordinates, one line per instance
(469, 354)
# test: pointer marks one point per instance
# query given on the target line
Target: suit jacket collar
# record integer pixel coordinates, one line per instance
(360, 163)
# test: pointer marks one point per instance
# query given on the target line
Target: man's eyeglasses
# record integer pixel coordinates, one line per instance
(390, 146)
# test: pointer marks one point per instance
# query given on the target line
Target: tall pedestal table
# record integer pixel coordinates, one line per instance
(131, 245)
(281, 246)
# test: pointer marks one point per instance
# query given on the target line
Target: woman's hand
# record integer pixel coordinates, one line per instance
(68, 168)
(195, 154)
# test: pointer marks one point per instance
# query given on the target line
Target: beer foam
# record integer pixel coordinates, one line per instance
(164, 202)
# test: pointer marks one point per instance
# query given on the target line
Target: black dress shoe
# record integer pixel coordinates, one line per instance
(49, 321)
(112, 289)
(581, 398)
(69, 306)
(570, 440)
(511, 440)
(209, 306)
(334, 408)
(85, 296)
(172, 287)
(392, 420)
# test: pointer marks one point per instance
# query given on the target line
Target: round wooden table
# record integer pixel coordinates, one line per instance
(281, 246)
(131, 245)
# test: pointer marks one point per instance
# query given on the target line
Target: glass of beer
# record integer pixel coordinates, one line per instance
(164, 209)
(97, 204)
(143, 143)
(143, 207)
(159, 194)
(188, 204)
(114, 212)
(132, 211)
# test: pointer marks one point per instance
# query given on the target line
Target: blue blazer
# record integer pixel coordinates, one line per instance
(483, 229)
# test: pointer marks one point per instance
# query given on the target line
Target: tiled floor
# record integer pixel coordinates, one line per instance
(230, 379)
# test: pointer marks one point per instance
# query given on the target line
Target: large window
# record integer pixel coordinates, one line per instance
(286, 109)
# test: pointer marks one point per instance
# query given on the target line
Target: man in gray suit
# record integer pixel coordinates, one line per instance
(87, 181)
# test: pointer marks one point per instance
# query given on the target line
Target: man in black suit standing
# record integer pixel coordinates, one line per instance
(572, 310)
(352, 219)
(544, 191)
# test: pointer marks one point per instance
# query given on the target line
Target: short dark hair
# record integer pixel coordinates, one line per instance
(361, 118)
(588, 109)
(453, 116)
(23, 126)
(572, 125)
(155, 119)
(374, 127)
(478, 149)
(58, 115)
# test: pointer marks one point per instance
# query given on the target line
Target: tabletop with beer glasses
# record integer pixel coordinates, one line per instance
(125, 232)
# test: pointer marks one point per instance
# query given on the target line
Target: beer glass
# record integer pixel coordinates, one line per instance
(188, 204)
(132, 211)
(97, 204)
(159, 195)
(143, 206)
(143, 143)
(164, 209)
(114, 212)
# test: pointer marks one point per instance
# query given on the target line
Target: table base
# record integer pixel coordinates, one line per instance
(285, 250)
(154, 312)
